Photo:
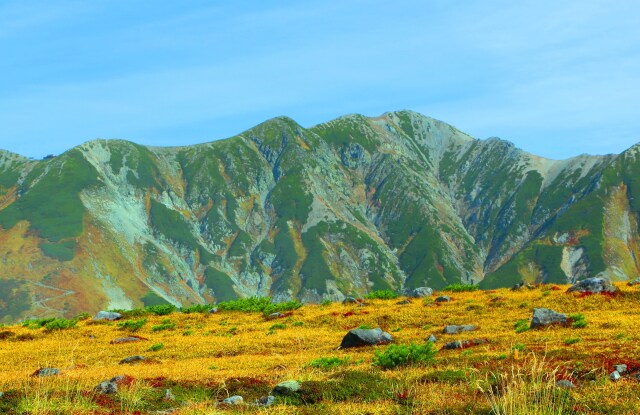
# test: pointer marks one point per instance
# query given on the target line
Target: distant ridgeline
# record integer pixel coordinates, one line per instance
(343, 208)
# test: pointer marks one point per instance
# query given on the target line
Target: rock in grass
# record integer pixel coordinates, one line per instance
(595, 285)
(129, 339)
(365, 337)
(419, 292)
(403, 302)
(107, 387)
(621, 368)
(453, 329)
(615, 376)
(464, 344)
(233, 400)
(443, 299)
(132, 359)
(168, 396)
(350, 300)
(432, 338)
(544, 317)
(213, 310)
(107, 315)
(565, 384)
(266, 401)
(287, 388)
(634, 282)
(46, 371)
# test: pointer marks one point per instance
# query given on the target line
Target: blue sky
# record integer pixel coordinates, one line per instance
(557, 78)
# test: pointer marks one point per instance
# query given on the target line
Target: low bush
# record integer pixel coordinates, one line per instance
(197, 308)
(578, 321)
(132, 325)
(328, 363)
(161, 310)
(155, 347)
(402, 355)
(258, 304)
(458, 288)
(521, 325)
(381, 295)
(164, 325)
(60, 324)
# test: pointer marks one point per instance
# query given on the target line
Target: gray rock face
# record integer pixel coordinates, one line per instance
(107, 315)
(453, 329)
(233, 400)
(129, 339)
(544, 317)
(443, 299)
(621, 368)
(565, 384)
(288, 387)
(593, 285)
(109, 387)
(419, 292)
(132, 359)
(615, 376)
(464, 344)
(266, 401)
(46, 371)
(365, 337)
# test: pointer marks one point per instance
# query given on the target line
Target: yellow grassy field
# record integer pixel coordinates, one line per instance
(208, 357)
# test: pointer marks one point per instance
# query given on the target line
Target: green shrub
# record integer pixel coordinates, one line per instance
(164, 325)
(325, 303)
(328, 363)
(155, 347)
(381, 295)
(365, 327)
(258, 304)
(197, 308)
(37, 323)
(278, 326)
(83, 316)
(457, 288)
(403, 355)
(298, 324)
(60, 324)
(578, 321)
(521, 325)
(519, 347)
(161, 310)
(572, 340)
(132, 325)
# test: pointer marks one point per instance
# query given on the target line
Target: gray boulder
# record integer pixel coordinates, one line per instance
(132, 359)
(443, 299)
(109, 387)
(107, 315)
(621, 368)
(129, 339)
(615, 376)
(595, 285)
(432, 339)
(287, 388)
(453, 329)
(213, 310)
(544, 317)
(233, 400)
(464, 344)
(45, 372)
(266, 401)
(419, 292)
(365, 337)
(565, 384)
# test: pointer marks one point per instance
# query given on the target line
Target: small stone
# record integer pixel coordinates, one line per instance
(565, 384)
(288, 387)
(365, 337)
(443, 299)
(464, 344)
(453, 329)
(266, 401)
(497, 299)
(615, 376)
(213, 310)
(168, 396)
(129, 339)
(419, 292)
(132, 359)
(350, 300)
(107, 387)
(233, 400)
(621, 368)
(403, 302)
(275, 315)
(544, 317)
(46, 371)
(432, 339)
(595, 285)
(107, 315)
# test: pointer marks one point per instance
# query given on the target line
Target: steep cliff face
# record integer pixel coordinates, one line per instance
(352, 205)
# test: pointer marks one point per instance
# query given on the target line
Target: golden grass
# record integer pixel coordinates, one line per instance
(208, 357)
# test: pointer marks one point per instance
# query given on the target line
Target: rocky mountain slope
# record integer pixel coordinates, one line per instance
(345, 207)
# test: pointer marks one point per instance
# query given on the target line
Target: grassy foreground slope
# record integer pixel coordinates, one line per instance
(203, 358)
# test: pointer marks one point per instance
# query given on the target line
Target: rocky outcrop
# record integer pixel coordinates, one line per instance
(594, 285)
(544, 317)
(365, 337)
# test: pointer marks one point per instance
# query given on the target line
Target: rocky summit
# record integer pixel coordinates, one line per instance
(398, 202)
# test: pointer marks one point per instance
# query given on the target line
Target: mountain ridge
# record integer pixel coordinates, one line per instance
(343, 207)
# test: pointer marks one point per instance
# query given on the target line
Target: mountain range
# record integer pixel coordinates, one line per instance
(345, 207)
